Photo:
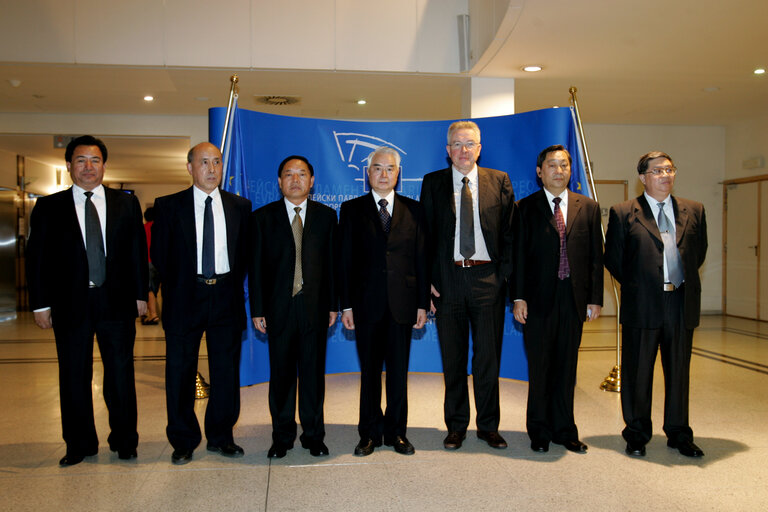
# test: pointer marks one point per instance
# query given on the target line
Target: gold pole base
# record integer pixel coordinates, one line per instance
(202, 388)
(613, 381)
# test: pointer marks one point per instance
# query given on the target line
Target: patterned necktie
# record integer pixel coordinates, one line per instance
(563, 269)
(94, 243)
(209, 251)
(466, 222)
(671, 254)
(384, 216)
(298, 231)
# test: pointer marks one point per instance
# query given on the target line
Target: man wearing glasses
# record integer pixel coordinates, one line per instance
(654, 247)
(469, 213)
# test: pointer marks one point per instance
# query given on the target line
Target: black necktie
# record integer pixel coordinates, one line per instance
(386, 218)
(466, 222)
(94, 243)
(209, 252)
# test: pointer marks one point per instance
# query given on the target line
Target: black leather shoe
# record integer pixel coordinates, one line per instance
(401, 445)
(181, 456)
(575, 446)
(540, 446)
(453, 440)
(72, 458)
(493, 439)
(366, 447)
(686, 447)
(316, 447)
(635, 450)
(278, 450)
(227, 450)
(127, 454)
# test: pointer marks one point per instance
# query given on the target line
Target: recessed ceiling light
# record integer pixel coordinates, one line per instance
(202, 98)
(361, 102)
(760, 71)
(149, 98)
(711, 88)
(532, 69)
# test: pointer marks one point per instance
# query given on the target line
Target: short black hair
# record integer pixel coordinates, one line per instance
(295, 157)
(85, 140)
(642, 165)
(552, 149)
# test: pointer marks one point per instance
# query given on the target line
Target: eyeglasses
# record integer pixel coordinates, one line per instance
(658, 171)
(469, 146)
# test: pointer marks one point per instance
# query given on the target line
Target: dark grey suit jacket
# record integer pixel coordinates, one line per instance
(174, 253)
(379, 270)
(496, 202)
(634, 254)
(537, 253)
(57, 264)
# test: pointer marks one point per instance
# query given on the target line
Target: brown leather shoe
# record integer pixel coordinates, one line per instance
(453, 440)
(493, 439)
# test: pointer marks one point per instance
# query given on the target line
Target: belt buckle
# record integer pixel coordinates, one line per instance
(465, 263)
(669, 287)
(210, 281)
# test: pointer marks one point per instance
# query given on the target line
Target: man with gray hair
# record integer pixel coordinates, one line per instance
(469, 213)
(384, 293)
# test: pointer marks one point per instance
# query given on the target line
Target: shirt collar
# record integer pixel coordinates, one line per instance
(563, 196)
(389, 197)
(200, 195)
(290, 206)
(458, 176)
(79, 192)
(654, 202)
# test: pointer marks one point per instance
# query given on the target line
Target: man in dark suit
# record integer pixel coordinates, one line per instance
(293, 301)
(87, 274)
(558, 281)
(384, 293)
(654, 248)
(199, 249)
(469, 211)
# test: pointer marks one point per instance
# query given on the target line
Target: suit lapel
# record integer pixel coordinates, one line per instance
(484, 189)
(681, 219)
(543, 206)
(574, 207)
(397, 213)
(69, 201)
(109, 221)
(371, 212)
(644, 216)
(232, 222)
(186, 220)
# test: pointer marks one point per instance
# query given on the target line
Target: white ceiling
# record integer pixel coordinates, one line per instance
(678, 62)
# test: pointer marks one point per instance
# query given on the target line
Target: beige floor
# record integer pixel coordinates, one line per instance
(729, 411)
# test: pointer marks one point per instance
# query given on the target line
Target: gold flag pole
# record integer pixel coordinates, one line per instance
(202, 388)
(232, 91)
(613, 381)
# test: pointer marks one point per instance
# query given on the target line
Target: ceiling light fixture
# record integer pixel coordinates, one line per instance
(760, 71)
(149, 98)
(361, 102)
(532, 69)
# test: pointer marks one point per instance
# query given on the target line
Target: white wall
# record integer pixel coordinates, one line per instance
(744, 141)
(699, 154)
(397, 35)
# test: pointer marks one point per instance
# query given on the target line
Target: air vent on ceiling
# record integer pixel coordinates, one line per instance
(278, 100)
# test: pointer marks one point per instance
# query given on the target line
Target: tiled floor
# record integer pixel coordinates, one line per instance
(729, 412)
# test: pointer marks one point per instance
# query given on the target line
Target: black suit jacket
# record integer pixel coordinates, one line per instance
(496, 202)
(272, 259)
(537, 253)
(57, 264)
(174, 253)
(634, 254)
(379, 270)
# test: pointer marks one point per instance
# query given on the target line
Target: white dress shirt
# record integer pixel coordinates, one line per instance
(563, 203)
(390, 201)
(670, 213)
(481, 251)
(219, 230)
(99, 200)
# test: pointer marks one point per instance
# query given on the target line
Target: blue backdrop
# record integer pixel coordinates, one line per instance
(258, 142)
